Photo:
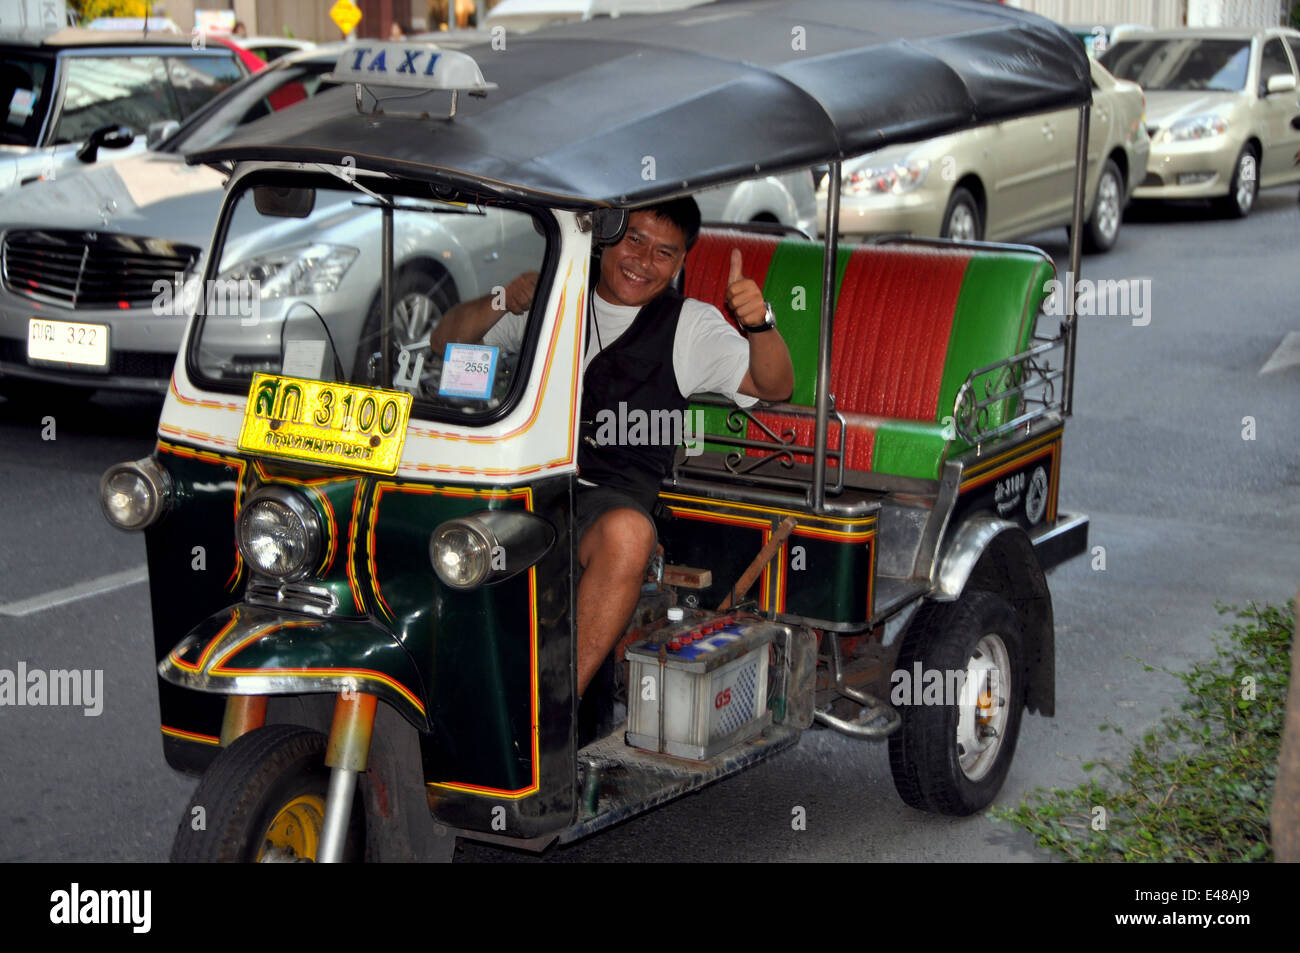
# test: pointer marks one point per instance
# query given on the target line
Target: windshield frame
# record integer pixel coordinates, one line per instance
(421, 409)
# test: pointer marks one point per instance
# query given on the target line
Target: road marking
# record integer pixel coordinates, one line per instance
(1286, 355)
(82, 590)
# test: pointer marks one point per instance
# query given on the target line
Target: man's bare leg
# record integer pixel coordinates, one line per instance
(613, 554)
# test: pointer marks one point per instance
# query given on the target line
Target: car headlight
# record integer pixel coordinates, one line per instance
(1195, 127)
(899, 178)
(134, 495)
(488, 546)
(302, 270)
(278, 533)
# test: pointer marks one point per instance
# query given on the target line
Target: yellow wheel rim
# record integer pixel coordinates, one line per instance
(296, 829)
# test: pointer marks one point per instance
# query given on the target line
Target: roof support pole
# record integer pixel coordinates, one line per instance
(1070, 325)
(386, 297)
(830, 251)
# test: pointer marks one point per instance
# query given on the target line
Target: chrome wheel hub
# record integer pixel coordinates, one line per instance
(1246, 173)
(961, 225)
(1108, 211)
(984, 708)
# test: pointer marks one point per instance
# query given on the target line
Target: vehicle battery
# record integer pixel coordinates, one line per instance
(699, 687)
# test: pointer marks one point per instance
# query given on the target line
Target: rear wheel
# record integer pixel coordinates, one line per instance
(953, 752)
(1102, 228)
(1244, 186)
(263, 800)
(961, 219)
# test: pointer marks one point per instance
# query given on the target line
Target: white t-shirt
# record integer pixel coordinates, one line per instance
(709, 355)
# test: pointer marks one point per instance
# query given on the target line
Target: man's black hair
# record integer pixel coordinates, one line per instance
(683, 213)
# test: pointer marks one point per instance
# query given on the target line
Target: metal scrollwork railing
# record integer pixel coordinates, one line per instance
(1008, 395)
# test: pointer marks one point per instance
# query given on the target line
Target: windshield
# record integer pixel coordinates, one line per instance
(262, 94)
(25, 95)
(1183, 63)
(298, 285)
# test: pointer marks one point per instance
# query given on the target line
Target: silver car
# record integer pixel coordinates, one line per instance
(1223, 111)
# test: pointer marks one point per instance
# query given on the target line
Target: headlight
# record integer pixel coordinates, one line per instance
(1195, 127)
(134, 495)
(488, 546)
(303, 270)
(278, 534)
(899, 178)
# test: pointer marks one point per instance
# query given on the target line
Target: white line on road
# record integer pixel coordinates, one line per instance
(93, 587)
(1286, 355)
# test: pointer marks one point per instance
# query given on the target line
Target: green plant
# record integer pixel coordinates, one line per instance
(1199, 785)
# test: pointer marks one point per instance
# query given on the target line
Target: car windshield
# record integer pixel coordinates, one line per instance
(25, 93)
(298, 285)
(260, 95)
(1183, 63)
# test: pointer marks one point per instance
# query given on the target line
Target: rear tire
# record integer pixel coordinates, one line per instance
(953, 758)
(961, 219)
(1102, 228)
(263, 798)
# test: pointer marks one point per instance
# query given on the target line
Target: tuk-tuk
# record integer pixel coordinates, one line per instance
(361, 547)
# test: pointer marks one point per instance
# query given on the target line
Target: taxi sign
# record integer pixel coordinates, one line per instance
(360, 428)
(346, 15)
(412, 65)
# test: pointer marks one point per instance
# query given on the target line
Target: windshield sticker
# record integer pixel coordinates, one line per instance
(303, 359)
(21, 104)
(468, 371)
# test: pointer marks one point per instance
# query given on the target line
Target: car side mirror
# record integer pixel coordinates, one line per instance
(1280, 83)
(158, 131)
(107, 137)
(276, 202)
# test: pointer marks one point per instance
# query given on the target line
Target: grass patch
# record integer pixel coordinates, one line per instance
(1199, 786)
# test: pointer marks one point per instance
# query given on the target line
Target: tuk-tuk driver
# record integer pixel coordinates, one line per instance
(648, 348)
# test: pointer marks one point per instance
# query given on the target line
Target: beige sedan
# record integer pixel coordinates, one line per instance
(1222, 109)
(1003, 180)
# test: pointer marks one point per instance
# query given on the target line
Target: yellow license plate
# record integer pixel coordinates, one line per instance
(361, 428)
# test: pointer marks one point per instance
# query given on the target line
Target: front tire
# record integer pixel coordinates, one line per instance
(421, 296)
(951, 756)
(263, 799)
(1244, 187)
(961, 219)
(1102, 228)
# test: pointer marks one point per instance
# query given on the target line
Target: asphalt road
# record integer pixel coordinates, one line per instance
(1187, 510)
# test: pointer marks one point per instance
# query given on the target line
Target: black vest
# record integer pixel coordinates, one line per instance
(632, 412)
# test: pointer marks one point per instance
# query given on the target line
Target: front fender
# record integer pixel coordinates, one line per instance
(251, 650)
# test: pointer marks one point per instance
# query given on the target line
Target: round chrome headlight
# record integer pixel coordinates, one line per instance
(461, 551)
(134, 495)
(278, 534)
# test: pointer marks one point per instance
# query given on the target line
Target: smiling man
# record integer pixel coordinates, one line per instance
(648, 350)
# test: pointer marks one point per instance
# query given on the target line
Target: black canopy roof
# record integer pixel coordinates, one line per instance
(711, 94)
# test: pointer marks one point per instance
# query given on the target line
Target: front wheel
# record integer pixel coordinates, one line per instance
(1102, 228)
(263, 800)
(1244, 186)
(961, 219)
(960, 726)
(421, 296)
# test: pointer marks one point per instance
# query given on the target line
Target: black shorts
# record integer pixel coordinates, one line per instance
(592, 502)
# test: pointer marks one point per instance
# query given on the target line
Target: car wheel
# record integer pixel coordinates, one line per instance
(951, 755)
(1107, 210)
(961, 220)
(263, 800)
(1244, 186)
(421, 296)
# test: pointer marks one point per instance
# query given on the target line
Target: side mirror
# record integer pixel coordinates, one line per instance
(107, 137)
(1281, 83)
(277, 202)
(608, 226)
(158, 131)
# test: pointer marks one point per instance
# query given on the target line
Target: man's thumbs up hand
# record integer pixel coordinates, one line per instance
(744, 298)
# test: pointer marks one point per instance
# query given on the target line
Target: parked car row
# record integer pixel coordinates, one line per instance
(1179, 114)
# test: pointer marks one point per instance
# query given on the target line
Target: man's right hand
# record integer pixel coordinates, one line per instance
(520, 291)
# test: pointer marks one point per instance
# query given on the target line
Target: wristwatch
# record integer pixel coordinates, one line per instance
(769, 321)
